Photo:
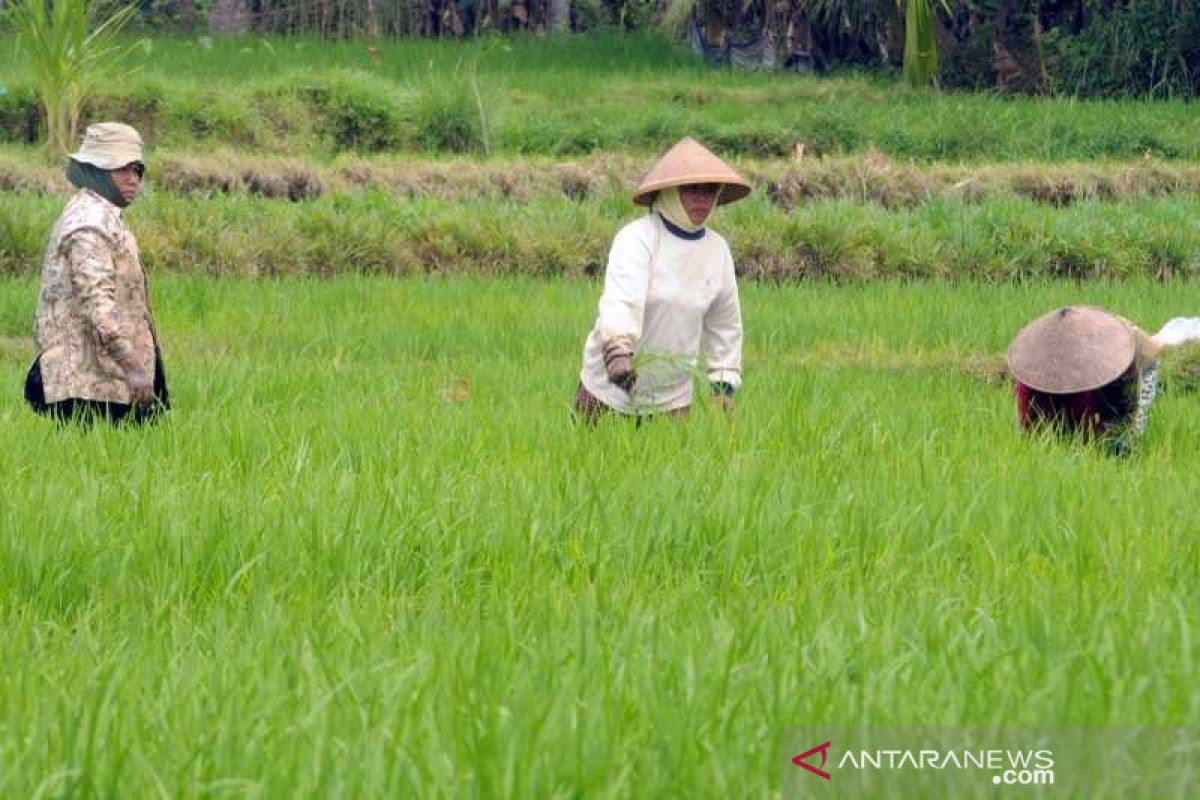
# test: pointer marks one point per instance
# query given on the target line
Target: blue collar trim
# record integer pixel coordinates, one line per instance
(691, 236)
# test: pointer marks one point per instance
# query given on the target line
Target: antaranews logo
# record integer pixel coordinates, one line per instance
(823, 749)
(1021, 767)
(983, 763)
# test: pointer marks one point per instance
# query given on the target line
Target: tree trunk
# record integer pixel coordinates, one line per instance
(187, 16)
(560, 15)
(228, 17)
(373, 28)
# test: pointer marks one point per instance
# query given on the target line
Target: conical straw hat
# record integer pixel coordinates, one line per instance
(1073, 349)
(691, 162)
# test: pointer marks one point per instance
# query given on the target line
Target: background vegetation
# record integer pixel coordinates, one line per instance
(274, 156)
(1082, 47)
(1007, 239)
(572, 96)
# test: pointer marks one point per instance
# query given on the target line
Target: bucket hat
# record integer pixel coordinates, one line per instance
(109, 145)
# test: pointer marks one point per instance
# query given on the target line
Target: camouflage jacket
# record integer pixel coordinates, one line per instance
(94, 310)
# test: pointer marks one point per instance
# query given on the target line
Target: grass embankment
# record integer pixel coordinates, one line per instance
(868, 178)
(374, 232)
(578, 95)
(890, 183)
(368, 555)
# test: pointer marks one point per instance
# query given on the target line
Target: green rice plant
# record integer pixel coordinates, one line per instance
(68, 59)
(369, 555)
(1180, 371)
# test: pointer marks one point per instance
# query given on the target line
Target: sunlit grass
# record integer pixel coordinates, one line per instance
(369, 554)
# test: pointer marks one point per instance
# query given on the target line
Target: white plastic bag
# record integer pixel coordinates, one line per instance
(1179, 331)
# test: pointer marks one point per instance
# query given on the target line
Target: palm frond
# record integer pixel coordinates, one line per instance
(920, 46)
(67, 62)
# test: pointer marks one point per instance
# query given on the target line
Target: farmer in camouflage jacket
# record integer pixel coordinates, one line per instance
(98, 353)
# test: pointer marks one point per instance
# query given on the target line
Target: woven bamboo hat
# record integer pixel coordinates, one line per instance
(109, 145)
(690, 162)
(1073, 349)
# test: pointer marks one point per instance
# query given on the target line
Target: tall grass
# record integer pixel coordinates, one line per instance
(68, 59)
(327, 575)
(1001, 240)
(448, 114)
(570, 96)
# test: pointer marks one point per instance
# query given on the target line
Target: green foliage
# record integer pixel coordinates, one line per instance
(68, 60)
(447, 114)
(208, 115)
(142, 107)
(1139, 48)
(20, 114)
(355, 111)
(920, 47)
(540, 97)
(370, 530)
(1180, 372)
(1090, 48)
(24, 228)
(1006, 239)
(369, 555)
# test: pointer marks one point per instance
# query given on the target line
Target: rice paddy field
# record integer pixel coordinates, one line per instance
(369, 553)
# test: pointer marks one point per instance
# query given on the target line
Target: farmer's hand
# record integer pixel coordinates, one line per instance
(141, 385)
(618, 364)
(621, 372)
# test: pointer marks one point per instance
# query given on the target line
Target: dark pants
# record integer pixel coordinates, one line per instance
(590, 409)
(89, 411)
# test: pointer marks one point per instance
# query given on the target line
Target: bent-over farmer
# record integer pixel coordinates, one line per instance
(98, 353)
(670, 295)
(1084, 371)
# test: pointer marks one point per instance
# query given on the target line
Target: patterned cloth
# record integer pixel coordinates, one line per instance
(1147, 388)
(93, 311)
(589, 409)
(88, 411)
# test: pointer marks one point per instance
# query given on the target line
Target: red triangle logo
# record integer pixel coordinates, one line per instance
(823, 749)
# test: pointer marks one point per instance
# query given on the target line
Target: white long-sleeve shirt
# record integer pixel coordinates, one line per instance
(675, 299)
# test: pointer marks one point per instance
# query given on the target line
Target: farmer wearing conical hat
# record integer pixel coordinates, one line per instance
(98, 354)
(1085, 371)
(670, 295)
